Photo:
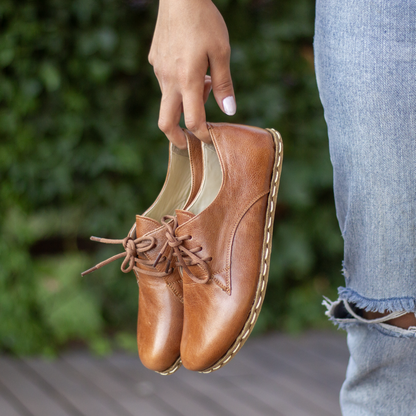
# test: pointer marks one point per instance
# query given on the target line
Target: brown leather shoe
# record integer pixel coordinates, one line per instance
(160, 314)
(225, 240)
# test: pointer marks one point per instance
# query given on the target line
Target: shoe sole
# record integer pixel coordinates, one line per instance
(266, 252)
(172, 368)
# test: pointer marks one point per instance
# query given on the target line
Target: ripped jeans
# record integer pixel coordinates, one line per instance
(365, 57)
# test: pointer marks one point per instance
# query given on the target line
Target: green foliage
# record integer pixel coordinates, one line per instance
(80, 155)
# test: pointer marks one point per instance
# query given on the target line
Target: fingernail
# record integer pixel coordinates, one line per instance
(229, 105)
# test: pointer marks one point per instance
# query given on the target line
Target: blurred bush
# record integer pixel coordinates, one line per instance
(81, 154)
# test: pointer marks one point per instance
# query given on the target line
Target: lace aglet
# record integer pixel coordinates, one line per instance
(157, 259)
(93, 269)
(92, 238)
(168, 266)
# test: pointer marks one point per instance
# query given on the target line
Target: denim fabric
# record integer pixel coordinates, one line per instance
(381, 375)
(365, 56)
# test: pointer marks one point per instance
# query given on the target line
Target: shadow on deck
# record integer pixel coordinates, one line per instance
(275, 375)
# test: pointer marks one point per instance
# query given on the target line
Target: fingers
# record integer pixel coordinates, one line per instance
(194, 110)
(191, 103)
(222, 84)
(207, 87)
(169, 117)
(189, 97)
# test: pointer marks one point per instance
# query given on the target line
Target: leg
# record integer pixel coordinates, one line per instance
(366, 72)
(404, 321)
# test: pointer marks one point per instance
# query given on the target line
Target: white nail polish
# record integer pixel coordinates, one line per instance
(229, 105)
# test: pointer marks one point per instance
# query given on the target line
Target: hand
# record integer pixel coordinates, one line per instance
(190, 36)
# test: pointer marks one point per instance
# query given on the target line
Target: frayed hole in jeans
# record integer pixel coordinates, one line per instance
(345, 314)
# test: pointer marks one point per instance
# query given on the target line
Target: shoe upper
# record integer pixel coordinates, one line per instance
(160, 313)
(230, 232)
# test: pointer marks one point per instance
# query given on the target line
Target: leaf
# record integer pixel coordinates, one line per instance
(50, 76)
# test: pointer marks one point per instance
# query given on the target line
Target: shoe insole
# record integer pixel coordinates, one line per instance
(177, 187)
(211, 182)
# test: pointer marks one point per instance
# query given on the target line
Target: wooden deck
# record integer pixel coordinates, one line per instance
(274, 375)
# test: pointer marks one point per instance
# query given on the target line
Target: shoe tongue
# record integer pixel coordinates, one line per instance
(183, 216)
(145, 225)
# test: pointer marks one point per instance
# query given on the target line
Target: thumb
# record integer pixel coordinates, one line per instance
(222, 87)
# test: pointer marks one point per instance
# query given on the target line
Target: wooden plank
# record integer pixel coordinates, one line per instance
(331, 366)
(273, 375)
(330, 345)
(95, 371)
(7, 409)
(250, 397)
(285, 377)
(279, 388)
(36, 400)
(300, 379)
(144, 384)
(225, 394)
(238, 370)
(170, 389)
(274, 395)
(82, 395)
(313, 367)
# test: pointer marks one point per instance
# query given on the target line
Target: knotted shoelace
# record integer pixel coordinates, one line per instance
(185, 257)
(133, 248)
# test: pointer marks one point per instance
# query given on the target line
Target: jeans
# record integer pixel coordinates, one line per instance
(365, 57)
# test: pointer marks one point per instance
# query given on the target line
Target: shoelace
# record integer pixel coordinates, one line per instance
(185, 257)
(132, 249)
